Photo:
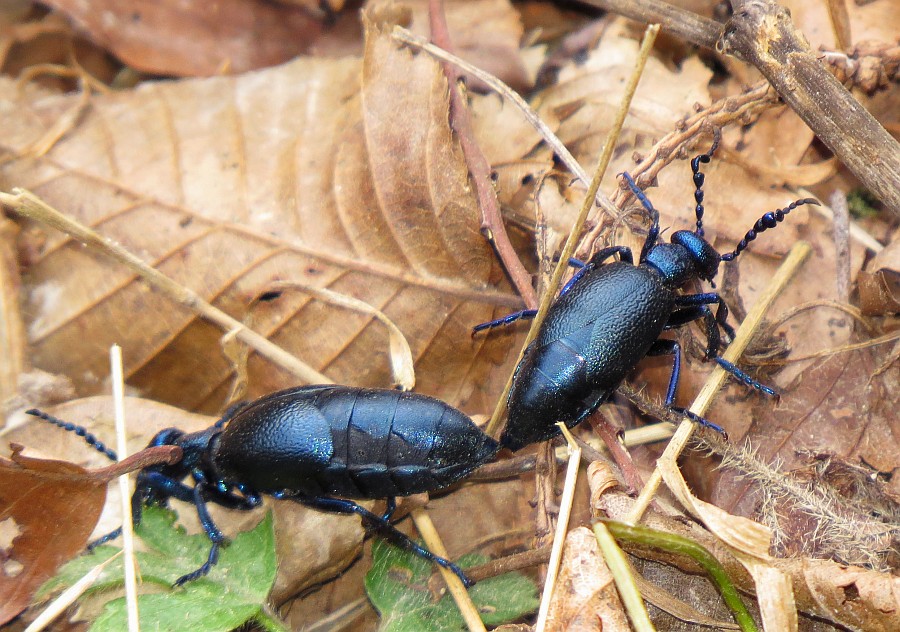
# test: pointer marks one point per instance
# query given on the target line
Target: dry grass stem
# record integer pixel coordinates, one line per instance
(454, 584)
(130, 561)
(69, 597)
(562, 527)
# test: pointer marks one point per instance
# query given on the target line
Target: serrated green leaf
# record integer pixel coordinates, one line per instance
(397, 587)
(232, 594)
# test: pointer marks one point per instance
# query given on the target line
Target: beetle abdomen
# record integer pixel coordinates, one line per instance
(380, 443)
(393, 443)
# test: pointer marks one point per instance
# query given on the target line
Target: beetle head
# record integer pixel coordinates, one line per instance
(689, 256)
(706, 259)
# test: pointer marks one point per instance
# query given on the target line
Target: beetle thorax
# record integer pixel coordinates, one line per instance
(688, 257)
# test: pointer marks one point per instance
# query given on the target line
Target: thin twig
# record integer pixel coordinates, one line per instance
(743, 108)
(840, 230)
(29, 205)
(492, 226)
(683, 24)
(624, 578)
(611, 439)
(785, 272)
(840, 23)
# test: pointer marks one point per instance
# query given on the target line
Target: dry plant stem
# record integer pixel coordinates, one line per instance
(681, 545)
(841, 233)
(623, 577)
(492, 226)
(457, 590)
(562, 526)
(516, 562)
(840, 23)
(852, 532)
(545, 493)
(761, 33)
(12, 330)
(572, 240)
(69, 596)
(29, 205)
(787, 269)
(620, 455)
(881, 340)
(681, 23)
(649, 591)
(129, 561)
(565, 156)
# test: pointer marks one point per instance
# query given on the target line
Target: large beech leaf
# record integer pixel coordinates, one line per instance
(334, 173)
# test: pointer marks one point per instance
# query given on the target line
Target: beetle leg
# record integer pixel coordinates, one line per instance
(390, 509)
(112, 535)
(746, 379)
(708, 299)
(596, 261)
(681, 317)
(603, 254)
(697, 419)
(669, 347)
(525, 314)
(384, 528)
(212, 532)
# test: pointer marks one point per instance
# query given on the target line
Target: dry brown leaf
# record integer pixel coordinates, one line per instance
(47, 511)
(879, 284)
(585, 597)
(299, 172)
(195, 38)
(485, 33)
(835, 408)
(853, 597)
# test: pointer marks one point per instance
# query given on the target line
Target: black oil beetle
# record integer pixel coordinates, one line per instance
(610, 315)
(311, 444)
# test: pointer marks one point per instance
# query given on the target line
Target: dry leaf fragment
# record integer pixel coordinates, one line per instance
(585, 598)
(47, 510)
(879, 284)
(195, 38)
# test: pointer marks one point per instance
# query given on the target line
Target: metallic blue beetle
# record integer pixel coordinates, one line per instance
(310, 444)
(610, 315)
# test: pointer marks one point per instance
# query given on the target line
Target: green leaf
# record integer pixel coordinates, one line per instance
(397, 585)
(233, 593)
